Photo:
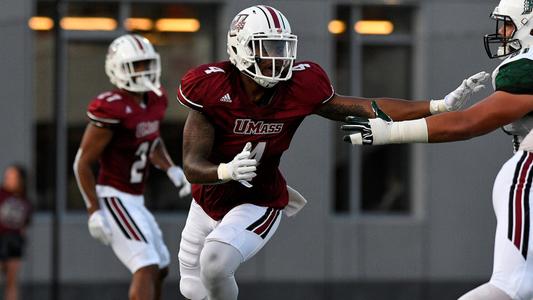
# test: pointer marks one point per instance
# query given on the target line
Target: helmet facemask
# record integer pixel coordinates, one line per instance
(142, 80)
(271, 58)
(501, 45)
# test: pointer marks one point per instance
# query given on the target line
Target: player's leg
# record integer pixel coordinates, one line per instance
(197, 227)
(143, 283)
(239, 236)
(219, 262)
(512, 270)
(134, 240)
(163, 273)
(156, 239)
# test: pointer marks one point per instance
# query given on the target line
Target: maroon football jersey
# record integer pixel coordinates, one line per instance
(14, 212)
(124, 162)
(217, 92)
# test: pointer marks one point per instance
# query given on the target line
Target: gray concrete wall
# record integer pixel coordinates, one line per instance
(16, 102)
(449, 237)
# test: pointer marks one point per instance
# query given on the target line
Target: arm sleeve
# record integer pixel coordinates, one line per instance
(103, 113)
(189, 90)
(324, 86)
(317, 84)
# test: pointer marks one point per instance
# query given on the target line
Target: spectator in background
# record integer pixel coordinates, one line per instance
(15, 212)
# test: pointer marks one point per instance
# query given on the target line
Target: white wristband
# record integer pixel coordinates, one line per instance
(413, 131)
(437, 106)
(223, 172)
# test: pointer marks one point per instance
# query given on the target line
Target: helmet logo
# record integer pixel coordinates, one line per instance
(528, 7)
(239, 22)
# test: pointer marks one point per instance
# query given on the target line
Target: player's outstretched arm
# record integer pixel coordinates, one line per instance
(498, 109)
(340, 107)
(160, 159)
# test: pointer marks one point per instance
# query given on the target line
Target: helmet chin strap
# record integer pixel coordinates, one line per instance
(265, 83)
(148, 83)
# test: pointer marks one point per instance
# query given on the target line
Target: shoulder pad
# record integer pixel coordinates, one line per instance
(315, 80)
(197, 83)
(513, 75)
(106, 109)
(526, 53)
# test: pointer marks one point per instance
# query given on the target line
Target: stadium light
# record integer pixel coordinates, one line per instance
(41, 23)
(374, 27)
(336, 26)
(110, 24)
(143, 24)
(178, 25)
(88, 23)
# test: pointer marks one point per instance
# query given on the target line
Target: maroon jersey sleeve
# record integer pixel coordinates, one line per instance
(318, 87)
(200, 83)
(308, 89)
(106, 109)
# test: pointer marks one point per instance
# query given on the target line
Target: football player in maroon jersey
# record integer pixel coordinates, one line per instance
(244, 113)
(15, 214)
(123, 137)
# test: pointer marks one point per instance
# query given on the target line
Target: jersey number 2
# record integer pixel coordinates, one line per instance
(137, 168)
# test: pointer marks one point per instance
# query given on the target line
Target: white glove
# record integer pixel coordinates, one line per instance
(177, 177)
(456, 99)
(296, 202)
(99, 228)
(241, 168)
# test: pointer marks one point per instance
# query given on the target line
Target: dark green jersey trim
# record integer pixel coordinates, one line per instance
(516, 77)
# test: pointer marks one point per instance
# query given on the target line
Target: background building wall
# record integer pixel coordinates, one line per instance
(448, 238)
(16, 79)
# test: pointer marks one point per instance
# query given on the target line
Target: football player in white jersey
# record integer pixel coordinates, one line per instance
(509, 106)
(123, 137)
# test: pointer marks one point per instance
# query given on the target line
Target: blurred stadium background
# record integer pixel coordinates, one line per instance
(391, 222)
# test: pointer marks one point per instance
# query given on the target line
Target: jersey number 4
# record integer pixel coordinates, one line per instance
(257, 151)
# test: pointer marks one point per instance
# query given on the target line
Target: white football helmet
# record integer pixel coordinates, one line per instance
(260, 37)
(519, 13)
(120, 61)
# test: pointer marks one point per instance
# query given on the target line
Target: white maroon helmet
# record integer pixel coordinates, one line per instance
(123, 52)
(260, 33)
(520, 14)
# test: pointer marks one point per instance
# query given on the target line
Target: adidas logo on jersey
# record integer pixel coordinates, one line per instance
(226, 98)
(128, 109)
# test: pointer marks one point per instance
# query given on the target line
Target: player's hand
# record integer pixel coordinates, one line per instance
(364, 131)
(242, 168)
(99, 228)
(177, 177)
(457, 99)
